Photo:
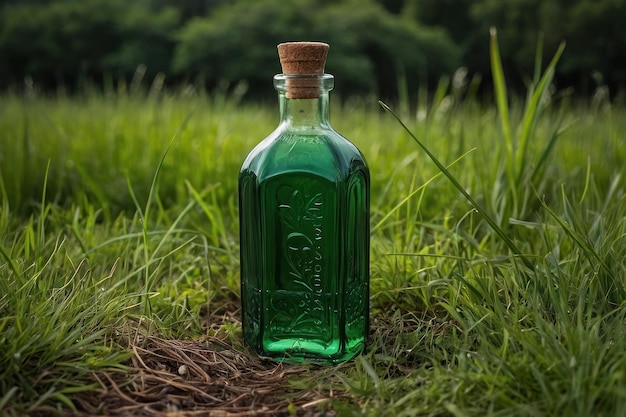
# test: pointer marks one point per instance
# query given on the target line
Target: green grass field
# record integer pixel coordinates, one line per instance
(498, 279)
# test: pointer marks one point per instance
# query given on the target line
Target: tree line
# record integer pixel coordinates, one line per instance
(377, 46)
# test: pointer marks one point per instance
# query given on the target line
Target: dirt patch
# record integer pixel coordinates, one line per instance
(215, 377)
(206, 377)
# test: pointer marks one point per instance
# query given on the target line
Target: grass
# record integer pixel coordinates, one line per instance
(497, 270)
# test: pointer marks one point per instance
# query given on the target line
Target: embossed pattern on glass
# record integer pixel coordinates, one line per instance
(304, 219)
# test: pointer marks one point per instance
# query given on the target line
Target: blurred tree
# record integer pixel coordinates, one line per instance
(454, 17)
(147, 38)
(369, 45)
(57, 42)
(596, 41)
(591, 28)
(392, 6)
(451, 14)
(189, 8)
(518, 23)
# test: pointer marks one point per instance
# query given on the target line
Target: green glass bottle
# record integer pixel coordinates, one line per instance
(304, 221)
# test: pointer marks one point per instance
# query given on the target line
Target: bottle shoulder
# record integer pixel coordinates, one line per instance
(317, 151)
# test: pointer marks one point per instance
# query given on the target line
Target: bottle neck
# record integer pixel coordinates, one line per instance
(304, 111)
(304, 99)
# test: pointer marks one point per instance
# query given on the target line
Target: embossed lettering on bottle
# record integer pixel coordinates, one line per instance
(301, 217)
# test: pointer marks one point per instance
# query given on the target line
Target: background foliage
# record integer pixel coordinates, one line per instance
(376, 43)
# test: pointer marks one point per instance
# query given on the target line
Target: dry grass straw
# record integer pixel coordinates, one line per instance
(210, 376)
(216, 376)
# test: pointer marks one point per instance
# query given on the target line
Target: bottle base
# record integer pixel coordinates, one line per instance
(298, 351)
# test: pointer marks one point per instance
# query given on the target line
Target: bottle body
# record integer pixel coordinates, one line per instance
(304, 221)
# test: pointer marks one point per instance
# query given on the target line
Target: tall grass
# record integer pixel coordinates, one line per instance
(544, 336)
(498, 245)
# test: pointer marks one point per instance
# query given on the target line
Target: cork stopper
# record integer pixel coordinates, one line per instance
(303, 60)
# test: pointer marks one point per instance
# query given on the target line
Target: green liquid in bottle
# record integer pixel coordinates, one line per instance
(304, 219)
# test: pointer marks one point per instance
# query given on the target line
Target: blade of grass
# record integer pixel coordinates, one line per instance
(7, 397)
(10, 262)
(543, 158)
(538, 60)
(4, 206)
(440, 93)
(532, 110)
(418, 189)
(502, 103)
(41, 221)
(146, 213)
(367, 366)
(208, 209)
(483, 213)
(579, 240)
